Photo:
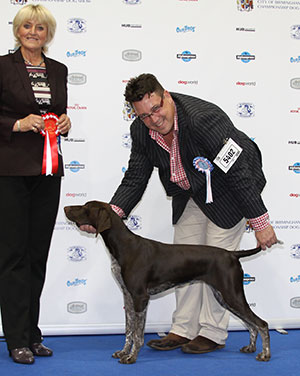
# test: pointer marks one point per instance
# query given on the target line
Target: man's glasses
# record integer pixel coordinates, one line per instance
(155, 109)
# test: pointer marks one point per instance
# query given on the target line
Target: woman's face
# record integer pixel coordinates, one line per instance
(32, 35)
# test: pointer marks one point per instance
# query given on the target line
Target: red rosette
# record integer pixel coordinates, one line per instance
(50, 156)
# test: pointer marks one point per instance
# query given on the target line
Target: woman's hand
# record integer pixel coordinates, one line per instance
(33, 123)
(64, 124)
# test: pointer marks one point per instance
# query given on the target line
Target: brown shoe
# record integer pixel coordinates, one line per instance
(201, 345)
(170, 342)
(22, 355)
(39, 349)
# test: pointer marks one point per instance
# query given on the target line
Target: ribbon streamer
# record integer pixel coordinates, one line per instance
(50, 156)
(204, 165)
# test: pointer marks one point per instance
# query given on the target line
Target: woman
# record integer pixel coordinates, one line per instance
(31, 85)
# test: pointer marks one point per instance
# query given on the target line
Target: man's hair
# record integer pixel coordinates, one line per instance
(137, 87)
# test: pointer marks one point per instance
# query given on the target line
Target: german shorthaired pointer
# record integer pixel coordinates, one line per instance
(144, 267)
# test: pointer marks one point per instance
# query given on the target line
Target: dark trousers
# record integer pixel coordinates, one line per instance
(28, 209)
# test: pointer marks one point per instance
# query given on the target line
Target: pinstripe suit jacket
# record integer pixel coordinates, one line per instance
(21, 154)
(203, 128)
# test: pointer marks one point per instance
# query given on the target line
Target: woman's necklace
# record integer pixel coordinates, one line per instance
(33, 65)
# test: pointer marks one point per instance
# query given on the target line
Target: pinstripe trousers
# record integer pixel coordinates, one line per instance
(197, 311)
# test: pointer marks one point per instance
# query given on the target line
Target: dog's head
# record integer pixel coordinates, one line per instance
(94, 213)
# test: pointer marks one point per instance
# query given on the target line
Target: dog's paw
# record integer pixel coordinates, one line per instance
(128, 359)
(248, 349)
(263, 357)
(119, 354)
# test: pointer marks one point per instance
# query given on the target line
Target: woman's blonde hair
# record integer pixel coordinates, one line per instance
(38, 13)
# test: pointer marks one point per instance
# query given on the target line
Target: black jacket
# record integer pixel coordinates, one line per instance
(203, 129)
(21, 154)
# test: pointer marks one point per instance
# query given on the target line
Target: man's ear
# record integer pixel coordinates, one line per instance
(103, 221)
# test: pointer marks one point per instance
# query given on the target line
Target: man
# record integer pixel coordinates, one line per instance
(213, 173)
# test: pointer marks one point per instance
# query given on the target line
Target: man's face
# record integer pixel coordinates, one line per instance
(156, 112)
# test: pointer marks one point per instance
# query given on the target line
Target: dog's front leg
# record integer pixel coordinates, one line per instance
(129, 329)
(138, 338)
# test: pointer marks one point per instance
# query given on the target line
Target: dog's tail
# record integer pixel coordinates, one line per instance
(246, 253)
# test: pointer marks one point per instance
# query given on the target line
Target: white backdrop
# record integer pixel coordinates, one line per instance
(241, 55)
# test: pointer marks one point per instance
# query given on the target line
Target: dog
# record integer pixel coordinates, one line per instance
(145, 267)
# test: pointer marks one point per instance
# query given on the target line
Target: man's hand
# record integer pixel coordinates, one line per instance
(266, 238)
(88, 228)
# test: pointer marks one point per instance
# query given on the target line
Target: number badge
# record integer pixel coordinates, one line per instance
(228, 155)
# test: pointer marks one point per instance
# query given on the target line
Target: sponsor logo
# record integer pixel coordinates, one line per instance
(185, 82)
(132, 2)
(295, 251)
(131, 55)
(186, 56)
(134, 222)
(73, 195)
(295, 279)
(128, 112)
(18, 2)
(252, 305)
(131, 26)
(77, 106)
(77, 25)
(77, 282)
(296, 195)
(244, 83)
(71, 139)
(76, 53)
(248, 279)
(126, 140)
(77, 307)
(185, 29)
(246, 29)
(296, 111)
(245, 57)
(245, 5)
(295, 302)
(295, 168)
(295, 59)
(77, 79)
(65, 226)
(74, 166)
(245, 110)
(295, 83)
(295, 31)
(76, 253)
(124, 169)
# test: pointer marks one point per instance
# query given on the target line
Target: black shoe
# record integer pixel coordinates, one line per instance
(39, 349)
(22, 355)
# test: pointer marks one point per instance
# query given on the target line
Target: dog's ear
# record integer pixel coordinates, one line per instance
(103, 220)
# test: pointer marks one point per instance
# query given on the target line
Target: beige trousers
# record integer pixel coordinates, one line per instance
(197, 311)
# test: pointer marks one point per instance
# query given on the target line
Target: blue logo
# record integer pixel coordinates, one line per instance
(295, 168)
(77, 253)
(128, 112)
(295, 59)
(245, 5)
(248, 279)
(74, 166)
(77, 282)
(245, 57)
(134, 222)
(295, 279)
(77, 25)
(295, 31)
(185, 29)
(18, 2)
(245, 110)
(186, 56)
(76, 53)
(132, 2)
(295, 251)
(126, 140)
